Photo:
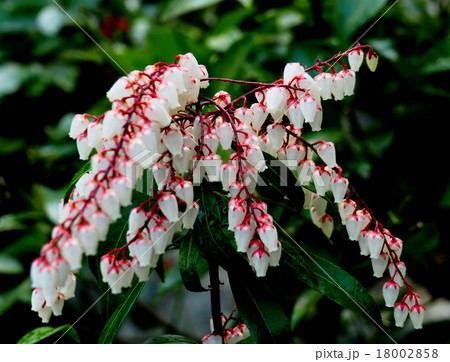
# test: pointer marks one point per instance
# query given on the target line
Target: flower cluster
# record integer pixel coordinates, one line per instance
(159, 122)
(229, 335)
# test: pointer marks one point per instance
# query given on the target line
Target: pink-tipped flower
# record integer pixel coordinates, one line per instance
(375, 241)
(68, 289)
(95, 135)
(185, 191)
(363, 242)
(305, 170)
(275, 256)
(113, 124)
(243, 234)
(143, 250)
(211, 164)
(291, 71)
(337, 86)
(397, 270)
(276, 98)
(295, 115)
(355, 59)
(84, 150)
(79, 124)
(260, 261)
(372, 61)
(260, 114)
(169, 207)
(72, 251)
(396, 246)
(308, 106)
(244, 115)
(321, 180)
(161, 238)
(190, 215)
(401, 312)
(123, 189)
(226, 135)
(326, 224)
(222, 98)
(136, 219)
(157, 111)
(324, 81)
(269, 236)
(142, 272)
(354, 225)
(228, 175)
(160, 173)
(379, 265)
(390, 293)
(173, 140)
(417, 313)
(120, 89)
(276, 133)
(110, 204)
(210, 140)
(256, 158)
(349, 82)
(345, 209)
(327, 153)
(236, 214)
(88, 235)
(212, 339)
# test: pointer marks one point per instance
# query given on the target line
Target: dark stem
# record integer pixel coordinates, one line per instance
(216, 311)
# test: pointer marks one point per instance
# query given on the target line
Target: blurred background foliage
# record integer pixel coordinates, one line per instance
(391, 138)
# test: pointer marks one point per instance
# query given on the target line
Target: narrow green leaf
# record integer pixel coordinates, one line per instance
(331, 281)
(189, 254)
(9, 265)
(85, 168)
(20, 293)
(175, 8)
(121, 312)
(41, 333)
(170, 339)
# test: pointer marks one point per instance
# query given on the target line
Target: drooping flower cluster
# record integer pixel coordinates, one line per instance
(158, 122)
(229, 335)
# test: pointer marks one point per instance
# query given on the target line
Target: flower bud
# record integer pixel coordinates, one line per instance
(372, 61)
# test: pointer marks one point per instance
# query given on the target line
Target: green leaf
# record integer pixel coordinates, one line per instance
(350, 15)
(9, 265)
(175, 8)
(332, 282)
(85, 168)
(12, 76)
(170, 339)
(189, 254)
(121, 312)
(41, 333)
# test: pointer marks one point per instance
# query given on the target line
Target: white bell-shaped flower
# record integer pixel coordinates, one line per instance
(375, 241)
(137, 219)
(349, 82)
(143, 249)
(78, 126)
(379, 265)
(122, 186)
(255, 157)
(211, 164)
(390, 293)
(161, 237)
(68, 289)
(185, 191)
(276, 133)
(173, 139)
(308, 106)
(157, 111)
(204, 83)
(276, 98)
(316, 125)
(372, 61)
(321, 179)
(113, 124)
(337, 86)
(401, 312)
(327, 153)
(168, 91)
(142, 272)
(48, 278)
(151, 137)
(236, 214)
(346, 208)
(305, 170)
(37, 300)
(260, 114)
(396, 246)
(260, 261)
(182, 163)
(226, 135)
(244, 114)
(58, 305)
(354, 224)
(222, 98)
(397, 271)
(363, 242)
(355, 59)
(120, 89)
(190, 215)
(339, 186)
(210, 140)
(95, 135)
(72, 251)
(417, 313)
(324, 81)
(161, 172)
(228, 173)
(101, 221)
(88, 235)
(327, 225)
(83, 147)
(169, 207)
(292, 70)
(189, 62)
(269, 236)
(110, 204)
(243, 234)
(295, 115)
(275, 256)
